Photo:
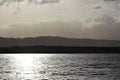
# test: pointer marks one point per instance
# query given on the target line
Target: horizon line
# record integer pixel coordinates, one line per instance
(58, 37)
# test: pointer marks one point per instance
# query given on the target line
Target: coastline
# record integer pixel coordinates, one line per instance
(59, 49)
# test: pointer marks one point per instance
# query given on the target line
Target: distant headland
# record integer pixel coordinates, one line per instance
(49, 44)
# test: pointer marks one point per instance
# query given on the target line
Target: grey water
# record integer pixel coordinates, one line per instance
(59, 66)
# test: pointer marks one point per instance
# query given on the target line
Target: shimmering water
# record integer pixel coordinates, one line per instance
(59, 67)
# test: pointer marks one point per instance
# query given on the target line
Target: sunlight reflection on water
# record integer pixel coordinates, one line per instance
(25, 65)
(59, 67)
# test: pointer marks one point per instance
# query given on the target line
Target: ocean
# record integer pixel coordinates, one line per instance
(59, 66)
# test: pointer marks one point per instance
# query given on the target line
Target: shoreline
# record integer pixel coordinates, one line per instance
(59, 49)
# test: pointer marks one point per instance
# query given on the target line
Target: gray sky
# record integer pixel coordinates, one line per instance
(99, 19)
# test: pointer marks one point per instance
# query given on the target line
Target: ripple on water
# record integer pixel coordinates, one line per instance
(61, 67)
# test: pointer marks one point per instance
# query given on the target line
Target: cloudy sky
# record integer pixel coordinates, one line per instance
(98, 19)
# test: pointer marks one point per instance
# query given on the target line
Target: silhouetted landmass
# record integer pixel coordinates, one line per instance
(59, 49)
(58, 45)
(57, 41)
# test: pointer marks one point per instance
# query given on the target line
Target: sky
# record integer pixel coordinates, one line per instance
(97, 19)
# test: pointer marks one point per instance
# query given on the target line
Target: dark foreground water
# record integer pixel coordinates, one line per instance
(59, 67)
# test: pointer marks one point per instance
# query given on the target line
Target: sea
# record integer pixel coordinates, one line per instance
(60, 66)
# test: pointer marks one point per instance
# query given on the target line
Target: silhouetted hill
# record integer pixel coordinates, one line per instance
(57, 41)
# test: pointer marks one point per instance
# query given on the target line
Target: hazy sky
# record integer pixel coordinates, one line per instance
(99, 19)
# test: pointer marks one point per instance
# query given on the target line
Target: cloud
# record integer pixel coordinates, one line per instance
(49, 1)
(98, 7)
(52, 28)
(110, 0)
(109, 28)
(114, 3)
(2, 2)
(18, 4)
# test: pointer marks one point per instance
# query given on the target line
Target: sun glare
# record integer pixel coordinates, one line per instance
(26, 62)
(25, 65)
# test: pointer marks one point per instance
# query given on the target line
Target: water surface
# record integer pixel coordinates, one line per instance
(59, 67)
